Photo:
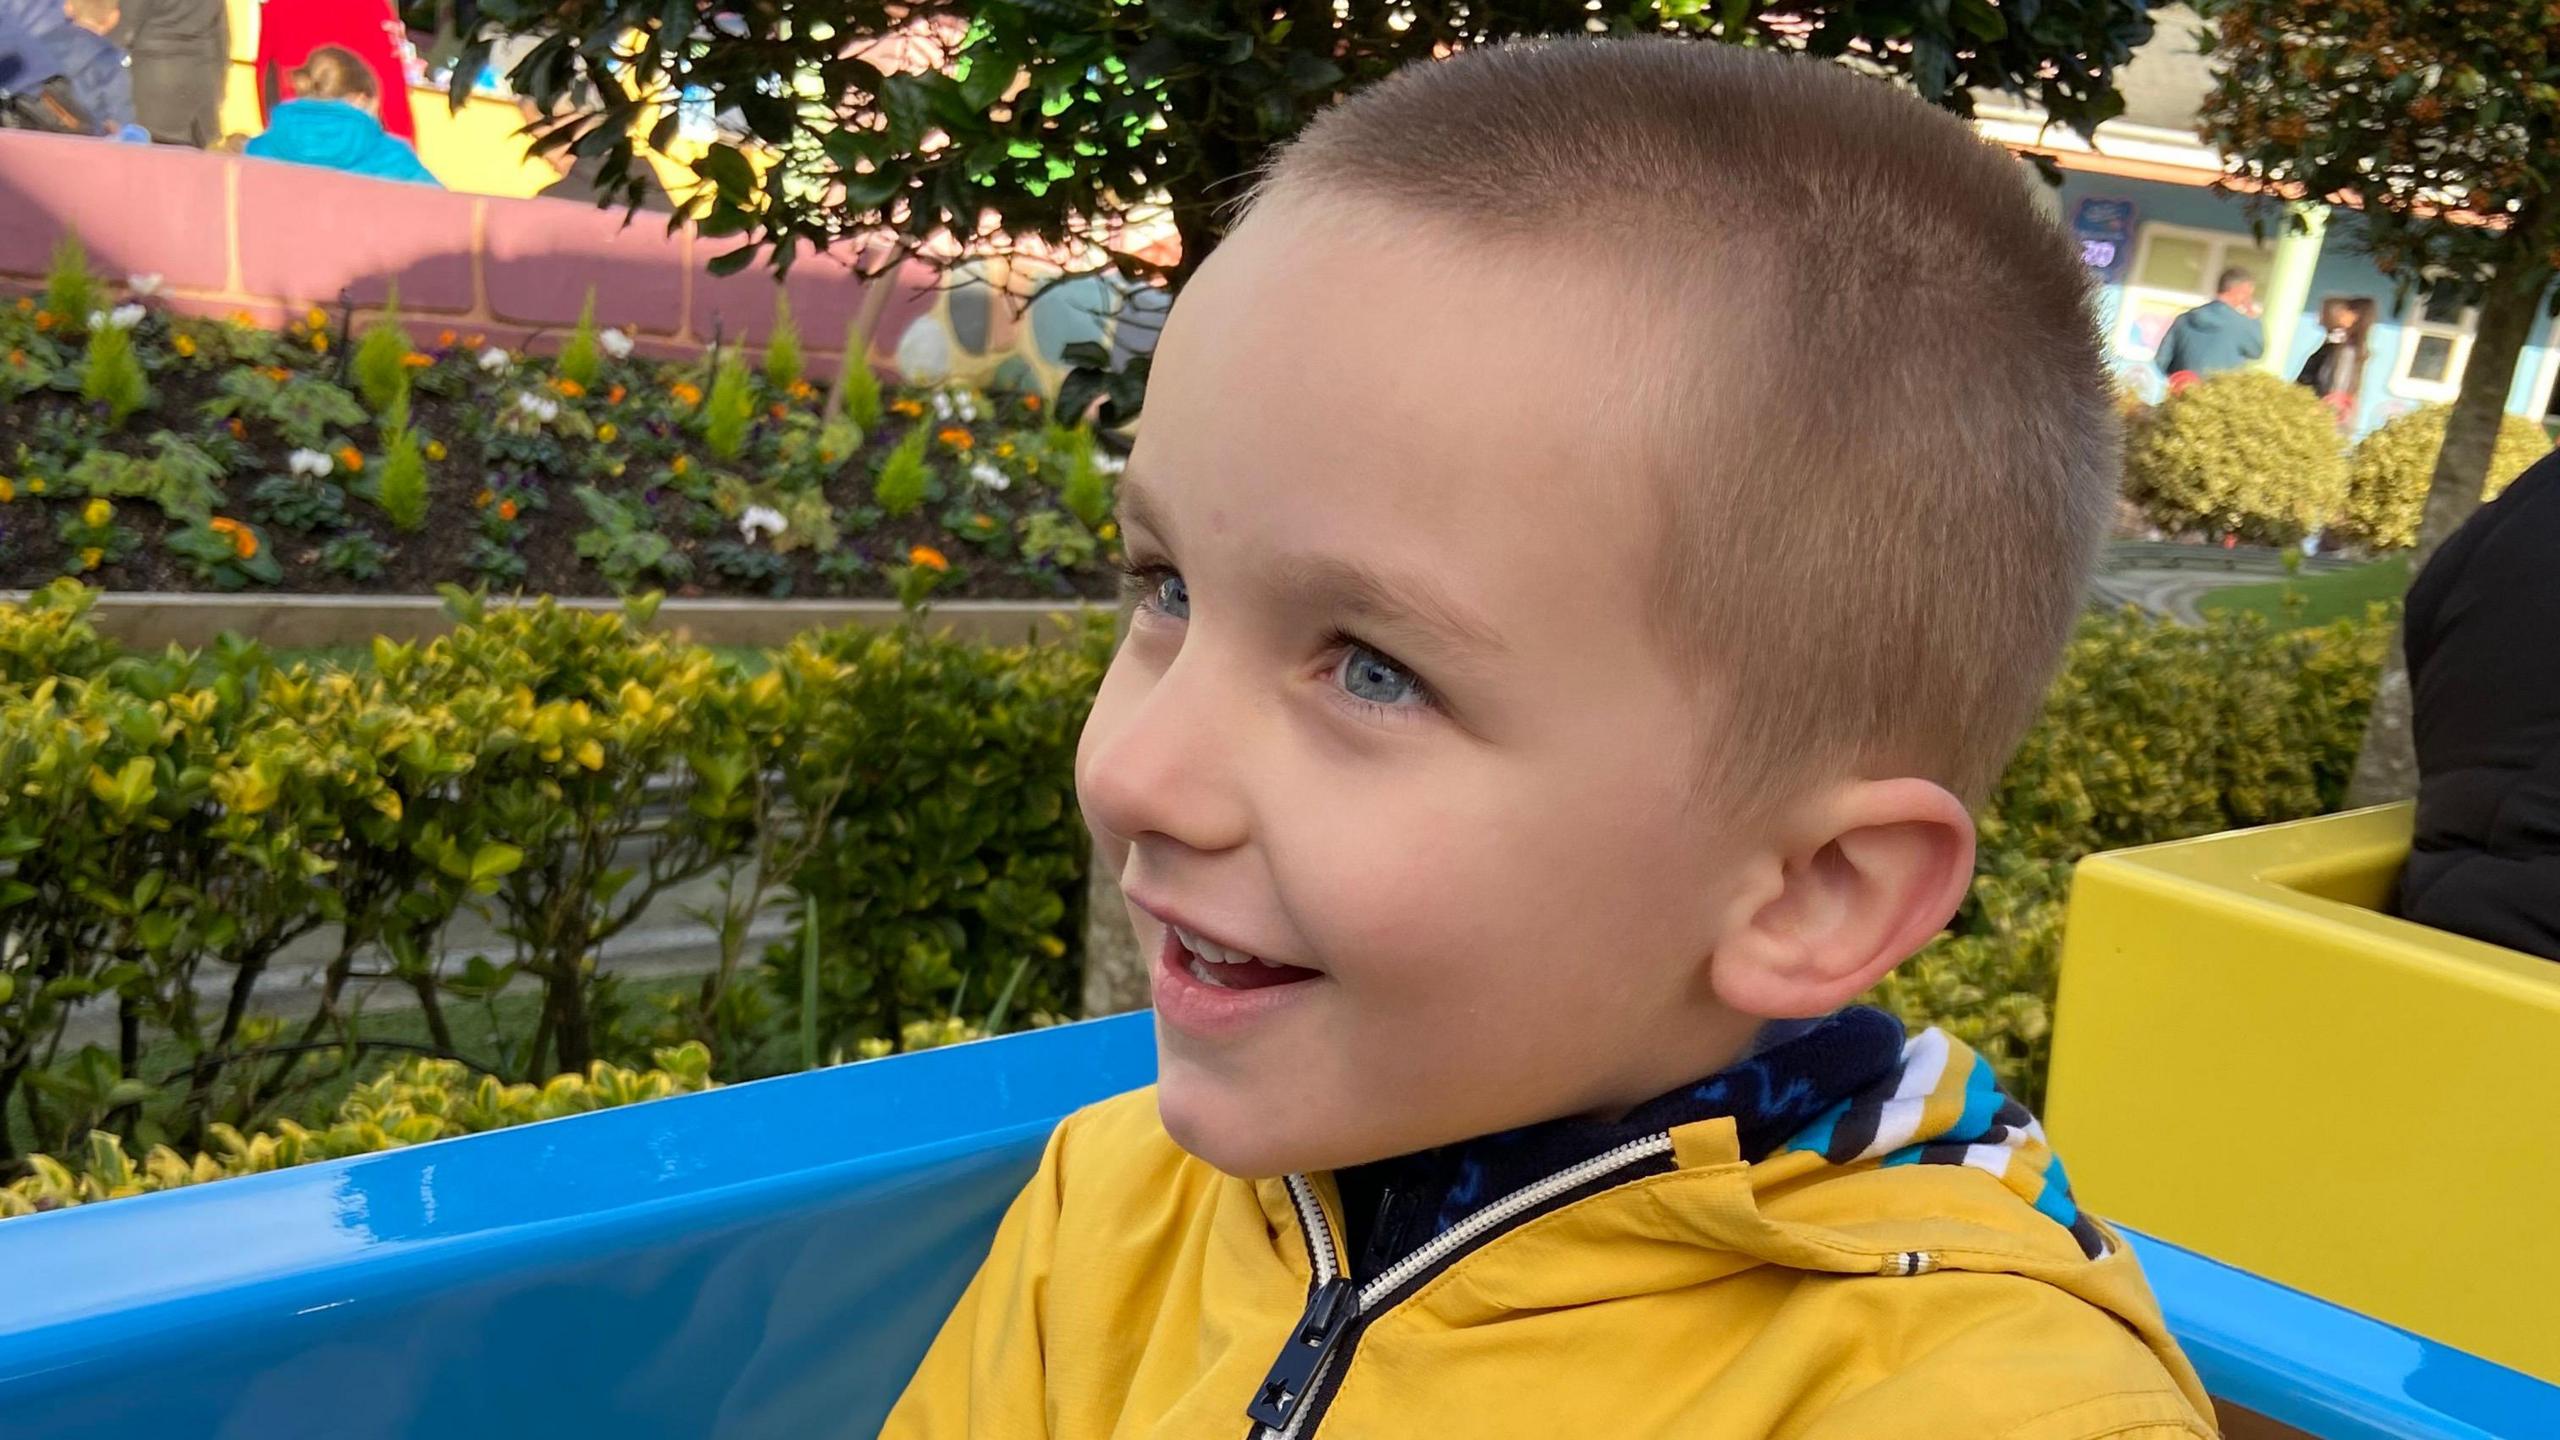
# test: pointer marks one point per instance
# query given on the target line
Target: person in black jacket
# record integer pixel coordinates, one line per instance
(2485, 696)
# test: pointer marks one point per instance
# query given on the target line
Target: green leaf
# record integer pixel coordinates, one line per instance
(491, 863)
(726, 167)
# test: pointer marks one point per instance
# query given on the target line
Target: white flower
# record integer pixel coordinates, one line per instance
(309, 462)
(143, 285)
(125, 317)
(990, 475)
(968, 407)
(942, 404)
(541, 408)
(760, 518)
(1108, 463)
(615, 343)
(494, 360)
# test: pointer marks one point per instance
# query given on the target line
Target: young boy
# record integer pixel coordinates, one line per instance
(1598, 521)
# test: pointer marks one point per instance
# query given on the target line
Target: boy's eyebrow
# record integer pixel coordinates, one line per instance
(1361, 593)
(1137, 508)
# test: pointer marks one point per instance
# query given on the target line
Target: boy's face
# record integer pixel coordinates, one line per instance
(1391, 715)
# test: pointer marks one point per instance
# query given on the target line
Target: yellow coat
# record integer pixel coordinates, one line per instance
(1135, 1292)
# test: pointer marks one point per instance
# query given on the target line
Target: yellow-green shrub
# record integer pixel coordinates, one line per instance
(2241, 452)
(2391, 469)
(422, 1099)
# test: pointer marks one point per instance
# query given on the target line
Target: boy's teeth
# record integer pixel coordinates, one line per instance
(1211, 951)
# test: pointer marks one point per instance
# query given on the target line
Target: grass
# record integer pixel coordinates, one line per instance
(2316, 599)
(477, 1028)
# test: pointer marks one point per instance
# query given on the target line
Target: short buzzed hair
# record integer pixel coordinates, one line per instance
(1887, 435)
(2232, 277)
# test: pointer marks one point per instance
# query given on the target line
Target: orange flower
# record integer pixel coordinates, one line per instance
(446, 339)
(416, 361)
(44, 319)
(614, 395)
(481, 500)
(956, 438)
(982, 519)
(476, 341)
(928, 557)
(26, 303)
(351, 458)
(185, 345)
(277, 373)
(568, 387)
(803, 390)
(243, 320)
(908, 408)
(17, 357)
(1031, 402)
(686, 393)
(238, 430)
(506, 509)
(244, 541)
(779, 410)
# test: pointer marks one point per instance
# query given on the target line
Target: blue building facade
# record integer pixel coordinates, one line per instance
(2156, 233)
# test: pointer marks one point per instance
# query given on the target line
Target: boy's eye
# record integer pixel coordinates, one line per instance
(1364, 674)
(1168, 594)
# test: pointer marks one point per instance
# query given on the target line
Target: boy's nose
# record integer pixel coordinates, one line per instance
(1163, 755)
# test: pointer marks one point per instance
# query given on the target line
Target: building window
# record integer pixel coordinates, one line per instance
(2435, 343)
(2173, 272)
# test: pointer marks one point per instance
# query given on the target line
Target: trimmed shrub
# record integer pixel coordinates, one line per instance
(2391, 469)
(2242, 452)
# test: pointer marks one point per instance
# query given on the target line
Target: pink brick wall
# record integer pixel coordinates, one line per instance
(232, 234)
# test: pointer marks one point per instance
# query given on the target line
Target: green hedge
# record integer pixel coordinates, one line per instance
(176, 820)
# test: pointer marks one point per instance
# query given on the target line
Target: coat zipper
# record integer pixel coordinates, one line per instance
(1300, 1384)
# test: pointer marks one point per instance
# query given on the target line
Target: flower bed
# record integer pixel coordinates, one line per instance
(142, 450)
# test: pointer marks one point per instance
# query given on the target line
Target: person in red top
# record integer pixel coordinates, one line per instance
(289, 30)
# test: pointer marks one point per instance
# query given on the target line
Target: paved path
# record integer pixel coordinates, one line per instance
(2166, 578)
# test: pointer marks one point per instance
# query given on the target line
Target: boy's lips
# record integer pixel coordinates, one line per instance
(1207, 988)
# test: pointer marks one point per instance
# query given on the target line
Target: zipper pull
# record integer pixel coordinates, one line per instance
(1329, 1313)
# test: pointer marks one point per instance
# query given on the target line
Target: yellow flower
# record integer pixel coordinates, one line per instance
(351, 458)
(605, 432)
(320, 341)
(482, 500)
(185, 345)
(92, 557)
(435, 449)
(8, 490)
(682, 465)
(1108, 531)
(97, 513)
(316, 318)
(35, 484)
(1004, 449)
(928, 557)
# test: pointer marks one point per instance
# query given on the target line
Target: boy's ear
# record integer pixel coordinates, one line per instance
(1877, 868)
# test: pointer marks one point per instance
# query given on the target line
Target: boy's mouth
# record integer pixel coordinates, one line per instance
(1215, 965)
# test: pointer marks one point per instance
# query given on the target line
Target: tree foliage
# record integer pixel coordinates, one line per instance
(1062, 122)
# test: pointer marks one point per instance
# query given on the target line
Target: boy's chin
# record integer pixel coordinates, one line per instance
(1241, 1132)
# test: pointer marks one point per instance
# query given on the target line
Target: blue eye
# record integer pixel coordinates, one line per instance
(1367, 675)
(1171, 596)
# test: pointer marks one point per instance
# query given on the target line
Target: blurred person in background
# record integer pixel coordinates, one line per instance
(181, 53)
(2485, 716)
(2220, 334)
(2335, 371)
(52, 53)
(333, 122)
(290, 30)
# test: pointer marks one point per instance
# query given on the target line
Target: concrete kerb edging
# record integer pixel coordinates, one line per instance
(300, 622)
